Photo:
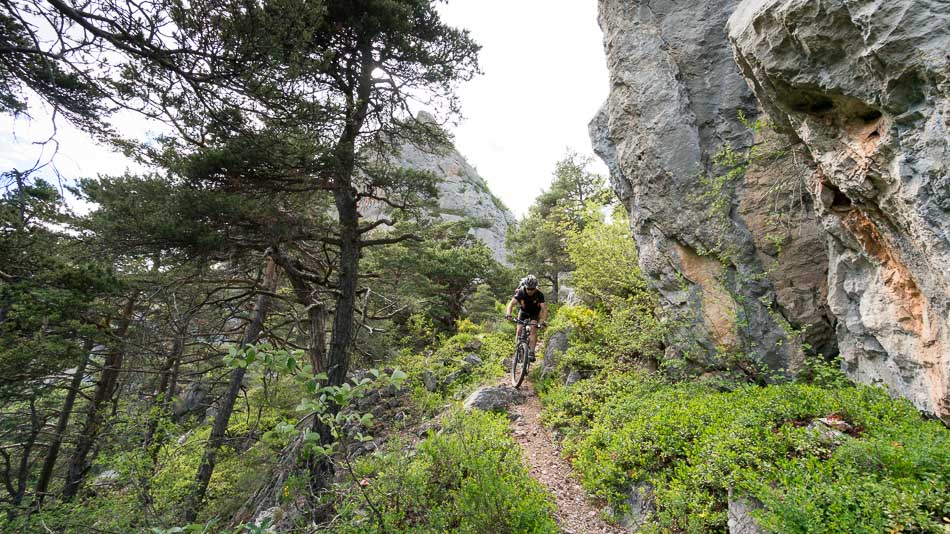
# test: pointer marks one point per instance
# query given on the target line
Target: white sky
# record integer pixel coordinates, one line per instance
(544, 78)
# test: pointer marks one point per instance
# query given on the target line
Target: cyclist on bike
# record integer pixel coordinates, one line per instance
(531, 301)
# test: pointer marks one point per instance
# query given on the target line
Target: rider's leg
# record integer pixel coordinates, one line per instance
(518, 334)
(533, 340)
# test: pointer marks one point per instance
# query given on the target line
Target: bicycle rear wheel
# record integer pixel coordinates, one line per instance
(519, 365)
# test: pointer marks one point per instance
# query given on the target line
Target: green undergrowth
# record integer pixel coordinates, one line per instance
(165, 481)
(447, 361)
(466, 475)
(889, 471)
(467, 478)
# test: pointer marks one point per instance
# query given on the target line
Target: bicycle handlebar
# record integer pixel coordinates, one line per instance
(519, 321)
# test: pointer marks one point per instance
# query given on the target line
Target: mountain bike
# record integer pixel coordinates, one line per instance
(519, 362)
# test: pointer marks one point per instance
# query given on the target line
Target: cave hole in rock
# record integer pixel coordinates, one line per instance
(821, 106)
(870, 116)
(833, 198)
(815, 105)
(840, 201)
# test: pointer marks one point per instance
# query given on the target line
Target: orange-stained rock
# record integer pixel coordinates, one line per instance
(863, 85)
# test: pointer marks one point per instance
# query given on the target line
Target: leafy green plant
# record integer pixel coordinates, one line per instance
(885, 471)
(823, 372)
(466, 479)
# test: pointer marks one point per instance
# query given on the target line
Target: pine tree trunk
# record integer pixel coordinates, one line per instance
(316, 313)
(345, 197)
(318, 337)
(162, 391)
(52, 453)
(319, 468)
(338, 356)
(23, 472)
(108, 379)
(223, 416)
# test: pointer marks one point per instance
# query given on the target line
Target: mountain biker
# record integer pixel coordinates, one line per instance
(531, 301)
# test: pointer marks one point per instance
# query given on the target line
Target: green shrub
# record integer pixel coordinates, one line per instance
(580, 318)
(605, 257)
(466, 479)
(447, 360)
(694, 442)
(822, 372)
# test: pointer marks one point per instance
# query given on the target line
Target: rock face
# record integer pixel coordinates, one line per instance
(713, 243)
(462, 193)
(493, 399)
(641, 506)
(741, 520)
(865, 85)
(554, 348)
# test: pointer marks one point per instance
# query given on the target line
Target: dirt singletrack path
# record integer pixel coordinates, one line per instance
(542, 454)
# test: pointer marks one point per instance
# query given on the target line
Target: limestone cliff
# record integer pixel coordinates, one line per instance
(844, 227)
(865, 85)
(462, 193)
(741, 260)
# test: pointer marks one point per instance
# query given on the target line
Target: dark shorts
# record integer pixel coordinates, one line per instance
(524, 315)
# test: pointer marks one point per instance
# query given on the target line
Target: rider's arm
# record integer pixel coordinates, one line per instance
(511, 304)
(544, 312)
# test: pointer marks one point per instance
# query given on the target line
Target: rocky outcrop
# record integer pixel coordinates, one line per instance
(713, 242)
(462, 193)
(493, 399)
(554, 348)
(641, 505)
(865, 85)
(740, 514)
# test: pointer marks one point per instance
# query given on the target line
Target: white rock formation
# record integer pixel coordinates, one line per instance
(463, 193)
(675, 99)
(865, 85)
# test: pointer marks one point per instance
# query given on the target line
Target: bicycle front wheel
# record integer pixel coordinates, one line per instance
(519, 365)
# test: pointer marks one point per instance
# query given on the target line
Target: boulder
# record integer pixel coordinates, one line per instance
(573, 377)
(554, 347)
(641, 505)
(472, 359)
(830, 430)
(493, 398)
(107, 478)
(429, 381)
(428, 427)
(453, 376)
(266, 520)
(740, 511)
(192, 400)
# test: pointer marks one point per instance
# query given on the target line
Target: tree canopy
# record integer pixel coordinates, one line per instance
(538, 243)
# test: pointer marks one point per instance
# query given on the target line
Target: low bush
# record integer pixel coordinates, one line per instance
(888, 472)
(447, 361)
(466, 479)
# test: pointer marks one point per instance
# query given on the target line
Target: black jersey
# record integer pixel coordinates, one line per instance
(531, 304)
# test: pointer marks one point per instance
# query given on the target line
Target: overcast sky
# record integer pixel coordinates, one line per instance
(544, 78)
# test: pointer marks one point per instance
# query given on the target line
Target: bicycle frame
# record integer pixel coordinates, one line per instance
(519, 361)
